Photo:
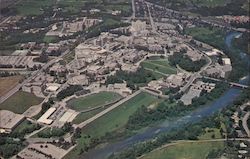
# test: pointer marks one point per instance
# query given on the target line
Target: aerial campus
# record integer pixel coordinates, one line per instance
(124, 79)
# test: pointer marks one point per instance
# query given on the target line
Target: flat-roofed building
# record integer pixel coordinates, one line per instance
(45, 117)
(9, 120)
(68, 116)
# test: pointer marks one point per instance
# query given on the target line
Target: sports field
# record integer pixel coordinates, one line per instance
(113, 121)
(92, 101)
(196, 150)
(7, 83)
(159, 66)
(20, 102)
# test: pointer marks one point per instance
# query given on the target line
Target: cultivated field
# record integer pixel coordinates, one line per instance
(20, 102)
(112, 121)
(7, 83)
(185, 151)
(92, 101)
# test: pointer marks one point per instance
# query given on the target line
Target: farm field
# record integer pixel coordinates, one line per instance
(112, 121)
(20, 102)
(159, 66)
(92, 101)
(192, 150)
(7, 83)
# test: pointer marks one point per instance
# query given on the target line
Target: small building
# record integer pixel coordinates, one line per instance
(52, 87)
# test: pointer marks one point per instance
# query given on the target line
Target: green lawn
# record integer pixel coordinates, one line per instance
(159, 65)
(31, 7)
(50, 39)
(185, 151)
(113, 121)
(84, 116)
(20, 102)
(93, 100)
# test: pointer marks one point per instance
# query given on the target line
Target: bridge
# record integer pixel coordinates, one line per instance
(234, 84)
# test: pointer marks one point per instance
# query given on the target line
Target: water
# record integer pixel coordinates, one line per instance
(166, 126)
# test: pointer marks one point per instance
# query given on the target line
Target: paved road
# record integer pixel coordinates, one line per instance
(197, 74)
(83, 124)
(32, 76)
(244, 123)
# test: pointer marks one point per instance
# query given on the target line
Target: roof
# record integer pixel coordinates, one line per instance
(44, 118)
(9, 119)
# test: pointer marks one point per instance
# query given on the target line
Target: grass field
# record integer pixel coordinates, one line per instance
(185, 151)
(84, 116)
(159, 65)
(20, 102)
(7, 83)
(113, 121)
(49, 39)
(93, 100)
(31, 7)
(213, 37)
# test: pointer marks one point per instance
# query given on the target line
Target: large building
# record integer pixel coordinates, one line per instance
(9, 120)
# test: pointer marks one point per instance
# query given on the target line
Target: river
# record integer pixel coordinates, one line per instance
(195, 116)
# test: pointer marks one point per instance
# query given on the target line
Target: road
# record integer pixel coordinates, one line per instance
(151, 19)
(83, 124)
(244, 123)
(32, 76)
(197, 74)
(133, 9)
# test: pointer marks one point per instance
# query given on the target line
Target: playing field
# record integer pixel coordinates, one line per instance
(159, 66)
(20, 102)
(92, 101)
(185, 151)
(112, 121)
(7, 83)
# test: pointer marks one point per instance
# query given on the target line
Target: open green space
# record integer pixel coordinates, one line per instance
(24, 128)
(31, 7)
(159, 65)
(112, 121)
(84, 116)
(20, 102)
(117, 118)
(211, 36)
(195, 150)
(92, 101)
(50, 39)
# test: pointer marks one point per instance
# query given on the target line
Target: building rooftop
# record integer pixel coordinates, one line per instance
(9, 120)
(44, 118)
